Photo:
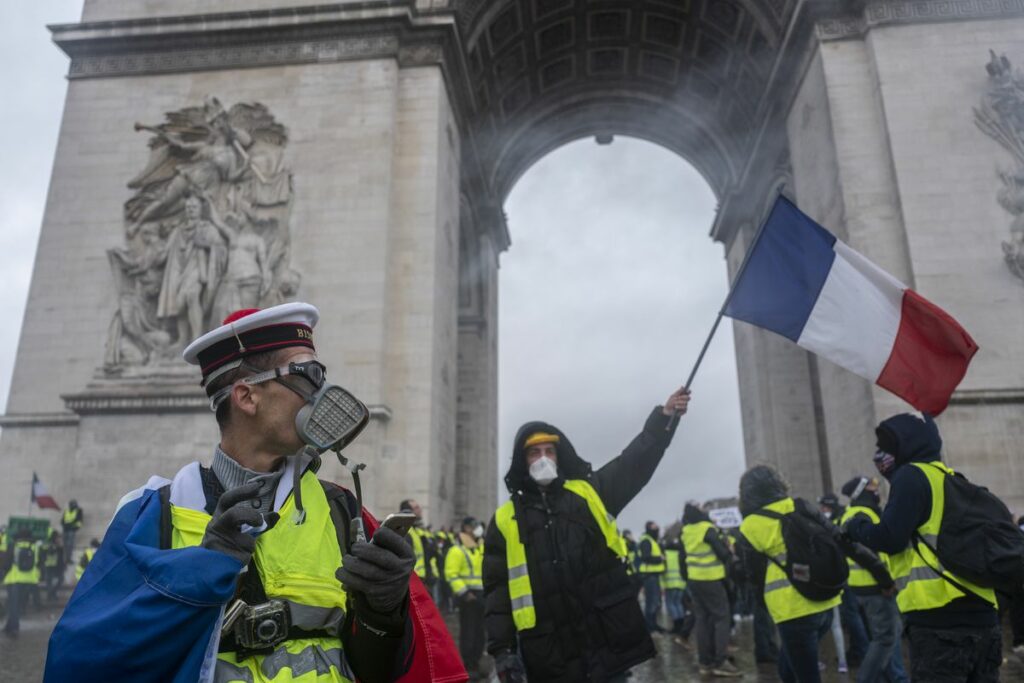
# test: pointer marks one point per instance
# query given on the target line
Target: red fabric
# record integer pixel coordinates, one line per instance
(436, 659)
(929, 357)
(239, 314)
(42, 497)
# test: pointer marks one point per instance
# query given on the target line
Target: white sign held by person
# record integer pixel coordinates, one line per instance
(726, 518)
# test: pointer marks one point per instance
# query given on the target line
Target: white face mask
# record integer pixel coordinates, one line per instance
(478, 531)
(544, 470)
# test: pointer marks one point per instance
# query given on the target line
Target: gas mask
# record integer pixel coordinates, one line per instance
(332, 417)
(543, 470)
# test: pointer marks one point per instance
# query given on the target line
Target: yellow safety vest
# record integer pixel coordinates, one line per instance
(860, 577)
(658, 567)
(69, 519)
(416, 536)
(916, 569)
(15, 575)
(701, 562)
(463, 568)
(519, 590)
(296, 563)
(765, 535)
(673, 576)
(87, 555)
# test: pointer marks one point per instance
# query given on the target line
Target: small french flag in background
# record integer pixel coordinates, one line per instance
(801, 282)
(42, 497)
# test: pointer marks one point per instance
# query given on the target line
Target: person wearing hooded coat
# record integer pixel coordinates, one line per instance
(954, 634)
(559, 603)
(800, 621)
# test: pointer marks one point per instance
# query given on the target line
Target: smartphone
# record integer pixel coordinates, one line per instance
(400, 522)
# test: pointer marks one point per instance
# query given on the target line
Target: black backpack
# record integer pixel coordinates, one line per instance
(978, 539)
(815, 564)
(25, 559)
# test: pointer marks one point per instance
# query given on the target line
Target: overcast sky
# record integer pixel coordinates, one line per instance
(607, 293)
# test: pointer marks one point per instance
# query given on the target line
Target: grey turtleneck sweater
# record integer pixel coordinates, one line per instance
(232, 475)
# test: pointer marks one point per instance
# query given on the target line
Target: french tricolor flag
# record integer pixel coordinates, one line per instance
(801, 282)
(42, 497)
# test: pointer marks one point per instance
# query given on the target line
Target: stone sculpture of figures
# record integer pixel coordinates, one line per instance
(195, 262)
(1001, 117)
(206, 231)
(248, 275)
(138, 275)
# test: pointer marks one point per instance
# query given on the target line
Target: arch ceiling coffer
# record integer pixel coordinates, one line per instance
(698, 67)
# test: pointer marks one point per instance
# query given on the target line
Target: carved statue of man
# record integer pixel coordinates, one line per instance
(195, 263)
(248, 277)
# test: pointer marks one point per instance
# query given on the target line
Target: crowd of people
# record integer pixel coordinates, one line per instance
(253, 569)
(29, 566)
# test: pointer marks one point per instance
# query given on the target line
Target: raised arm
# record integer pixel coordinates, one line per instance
(620, 480)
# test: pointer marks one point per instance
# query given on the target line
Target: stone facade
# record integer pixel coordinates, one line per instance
(409, 121)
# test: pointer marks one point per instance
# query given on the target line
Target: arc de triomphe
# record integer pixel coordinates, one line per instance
(357, 155)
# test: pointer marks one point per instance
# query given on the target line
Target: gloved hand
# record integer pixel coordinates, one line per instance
(509, 667)
(235, 508)
(379, 570)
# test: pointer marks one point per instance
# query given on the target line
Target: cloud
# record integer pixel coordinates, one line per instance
(606, 296)
(32, 73)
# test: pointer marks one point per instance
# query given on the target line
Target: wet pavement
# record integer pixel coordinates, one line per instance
(21, 660)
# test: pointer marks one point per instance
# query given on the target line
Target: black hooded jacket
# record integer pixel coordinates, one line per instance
(589, 624)
(909, 438)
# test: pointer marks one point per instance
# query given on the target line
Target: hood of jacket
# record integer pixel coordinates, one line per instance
(570, 465)
(693, 514)
(909, 437)
(761, 485)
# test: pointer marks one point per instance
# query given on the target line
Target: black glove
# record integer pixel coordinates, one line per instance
(235, 508)
(379, 570)
(509, 667)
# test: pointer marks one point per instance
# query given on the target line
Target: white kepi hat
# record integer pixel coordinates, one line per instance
(251, 331)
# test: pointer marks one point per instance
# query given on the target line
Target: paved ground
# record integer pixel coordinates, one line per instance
(21, 660)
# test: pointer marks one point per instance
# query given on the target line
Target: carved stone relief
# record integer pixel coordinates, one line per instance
(1001, 117)
(206, 232)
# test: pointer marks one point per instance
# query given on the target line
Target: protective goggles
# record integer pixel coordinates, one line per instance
(312, 371)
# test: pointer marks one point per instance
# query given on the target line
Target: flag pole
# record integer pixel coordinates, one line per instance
(674, 419)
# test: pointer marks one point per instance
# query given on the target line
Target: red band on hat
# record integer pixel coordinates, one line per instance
(259, 340)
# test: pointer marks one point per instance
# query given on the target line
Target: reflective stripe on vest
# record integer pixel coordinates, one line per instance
(657, 567)
(463, 568)
(765, 536)
(673, 576)
(296, 563)
(915, 569)
(860, 577)
(519, 590)
(701, 562)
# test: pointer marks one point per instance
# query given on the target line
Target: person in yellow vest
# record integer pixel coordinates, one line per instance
(952, 624)
(86, 558)
(52, 559)
(252, 569)
(559, 603)
(71, 521)
(5, 556)
(650, 566)
(883, 655)
(673, 584)
(422, 542)
(21, 578)
(463, 570)
(801, 622)
(707, 557)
